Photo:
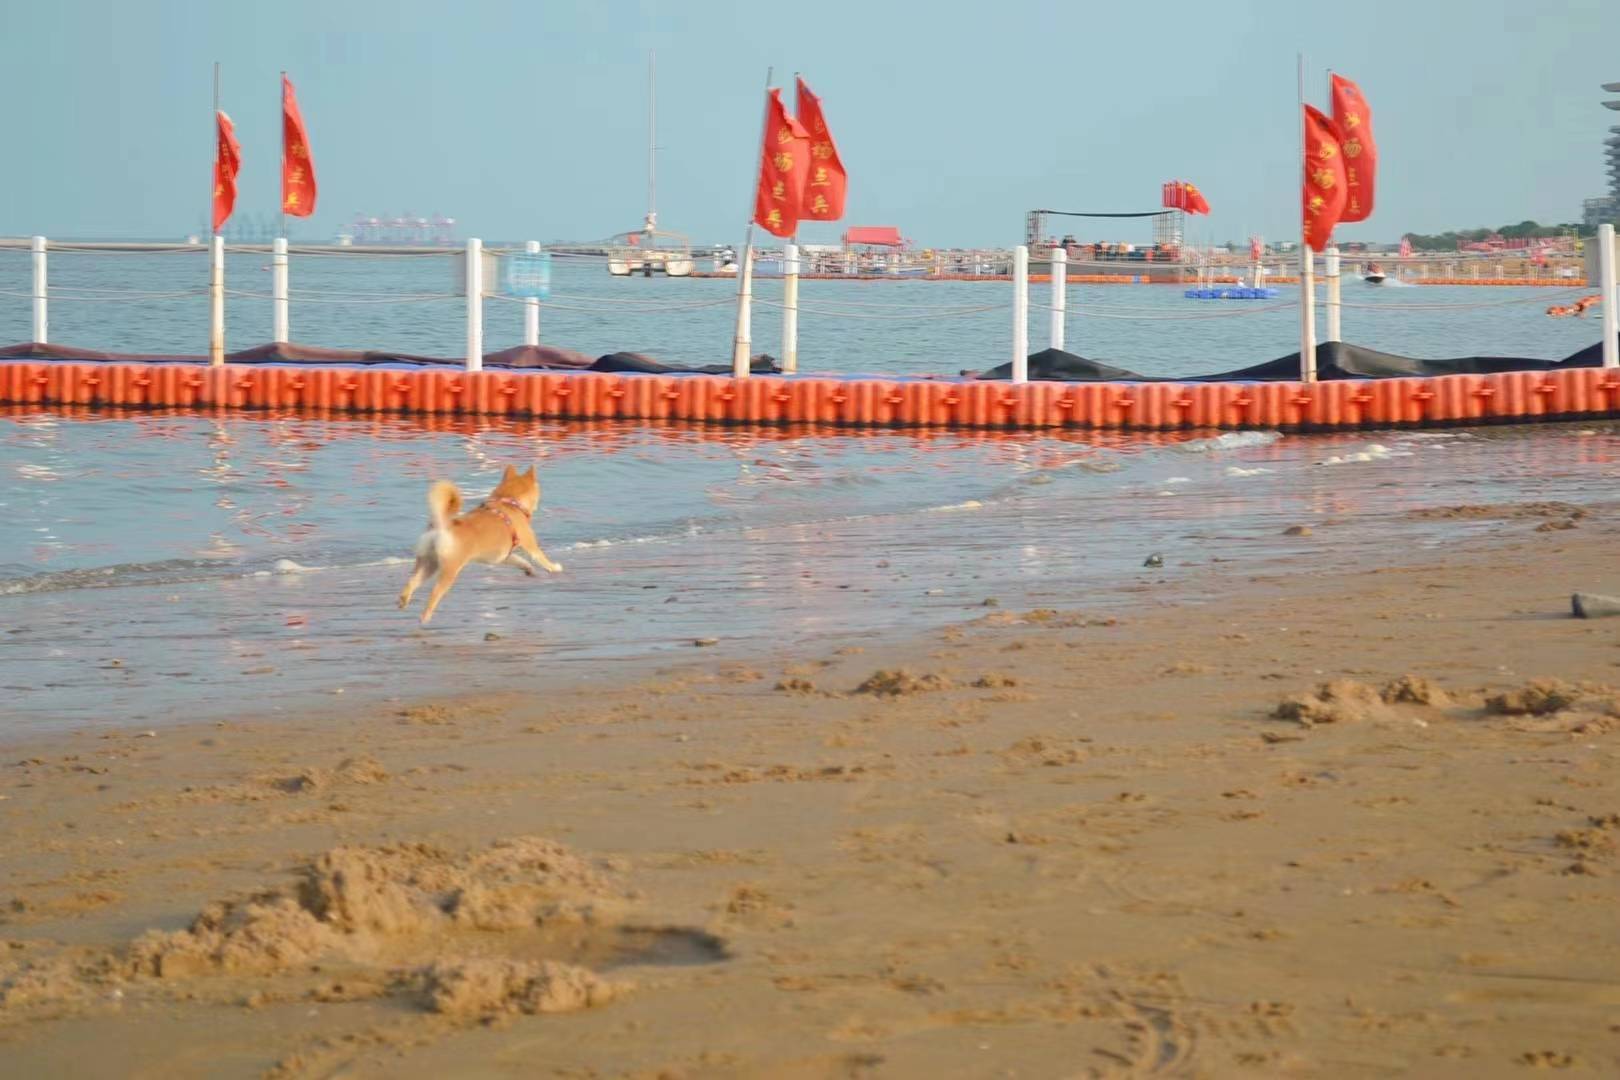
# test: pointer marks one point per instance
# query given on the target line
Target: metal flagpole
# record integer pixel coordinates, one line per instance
(1307, 296)
(741, 343)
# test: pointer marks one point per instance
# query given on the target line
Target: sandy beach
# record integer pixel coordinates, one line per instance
(1354, 823)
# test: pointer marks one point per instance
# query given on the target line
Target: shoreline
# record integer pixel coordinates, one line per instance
(1072, 838)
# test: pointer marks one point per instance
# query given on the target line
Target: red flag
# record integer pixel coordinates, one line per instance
(1164, 194)
(1350, 112)
(1195, 201)
(297, 167)
(1325, 190)
(824, 190)
(227, 160)
(784, 163)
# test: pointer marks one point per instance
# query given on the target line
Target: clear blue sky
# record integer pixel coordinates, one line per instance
(529, 119)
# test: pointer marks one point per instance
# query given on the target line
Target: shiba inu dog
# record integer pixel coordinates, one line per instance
(497, 531)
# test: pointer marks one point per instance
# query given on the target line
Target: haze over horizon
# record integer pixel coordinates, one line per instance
(530, 120)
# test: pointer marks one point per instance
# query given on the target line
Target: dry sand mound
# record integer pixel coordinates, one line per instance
(357, 905)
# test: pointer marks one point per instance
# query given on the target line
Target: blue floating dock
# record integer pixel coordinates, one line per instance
(1234, 292)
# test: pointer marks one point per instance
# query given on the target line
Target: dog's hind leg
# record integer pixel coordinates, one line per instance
(424, 567)
(448, 572)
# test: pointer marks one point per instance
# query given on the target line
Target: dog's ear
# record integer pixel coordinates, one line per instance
(531, 472)
(511, 473)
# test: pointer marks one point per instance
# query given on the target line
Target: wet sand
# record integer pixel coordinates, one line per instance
(1077, 841)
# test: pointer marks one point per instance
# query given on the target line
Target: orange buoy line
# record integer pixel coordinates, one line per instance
(865, 402)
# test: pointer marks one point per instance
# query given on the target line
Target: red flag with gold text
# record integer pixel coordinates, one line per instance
(784, 164)
(825, 187)
(1324, 194)
(297, 167)
(227, 162)
(1350, 112)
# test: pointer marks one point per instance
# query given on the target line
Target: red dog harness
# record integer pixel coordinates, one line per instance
(502, 514)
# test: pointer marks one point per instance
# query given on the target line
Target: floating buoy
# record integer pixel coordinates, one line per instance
(1238, 292)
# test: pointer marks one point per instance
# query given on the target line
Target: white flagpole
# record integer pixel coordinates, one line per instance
(216, 256)
(1307, 296)
(741, 343)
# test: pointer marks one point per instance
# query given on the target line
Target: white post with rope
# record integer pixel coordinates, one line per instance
(1020, 342)
(278, 290)
(216, 300)
(742, 344)
(41, 292)
(790, 309)
(531, 304)
(475, 305)
(1611, 348)
(1332, 275)
(1060, 294)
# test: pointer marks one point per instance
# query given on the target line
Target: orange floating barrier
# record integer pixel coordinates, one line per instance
(865, 402)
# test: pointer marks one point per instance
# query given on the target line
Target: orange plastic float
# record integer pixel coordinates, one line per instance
(768, 399)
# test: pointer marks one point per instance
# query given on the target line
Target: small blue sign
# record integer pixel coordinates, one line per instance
(529, 275)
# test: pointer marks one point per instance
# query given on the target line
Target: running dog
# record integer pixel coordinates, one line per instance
(497, 531)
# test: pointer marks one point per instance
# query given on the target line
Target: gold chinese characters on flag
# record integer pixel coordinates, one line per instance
(784, 168)
(1325, 190)
(824, 188)
(297, 167)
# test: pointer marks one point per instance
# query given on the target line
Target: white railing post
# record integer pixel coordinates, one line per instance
(1307, 315)
(1060, 294)
(475, 305)
(216, 300)
(1020, 342)
(278, 290)
(41, 292)
(531, 304)
(1611, 348)
(743, 343)
(1332, 276)
(790, 309)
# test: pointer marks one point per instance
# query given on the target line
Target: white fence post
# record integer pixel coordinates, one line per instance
(1020, 342)
(216, 300)
(278, 290)
(790, 309)
(475, 305)
(1307, 315)
(1332, 276)
(531, 305)
(1611, 348)
(1060, 294)
(742, 344)
(41, 292)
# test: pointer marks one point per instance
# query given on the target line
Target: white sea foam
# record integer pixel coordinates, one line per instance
(1229, 440)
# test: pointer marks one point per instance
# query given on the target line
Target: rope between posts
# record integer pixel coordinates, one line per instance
(935, 314)
(56, 295)
(1094, 313)
(418, 298)
(552, 305)
(1543, 297)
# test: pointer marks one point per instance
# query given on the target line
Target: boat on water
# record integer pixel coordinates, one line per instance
(1374, 275)
(650, 250)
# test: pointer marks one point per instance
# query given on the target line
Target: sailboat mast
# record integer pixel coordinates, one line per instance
(652, 139)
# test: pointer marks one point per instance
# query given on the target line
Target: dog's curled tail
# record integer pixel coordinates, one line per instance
(444, 503)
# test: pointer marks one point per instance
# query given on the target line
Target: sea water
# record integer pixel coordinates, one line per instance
(162, 567)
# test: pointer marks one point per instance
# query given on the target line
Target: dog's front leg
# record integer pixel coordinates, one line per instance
(516, 559)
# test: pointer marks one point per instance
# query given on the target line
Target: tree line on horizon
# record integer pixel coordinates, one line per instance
(1524, 230)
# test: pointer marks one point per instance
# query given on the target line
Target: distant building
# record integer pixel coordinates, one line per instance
(1604, 209)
